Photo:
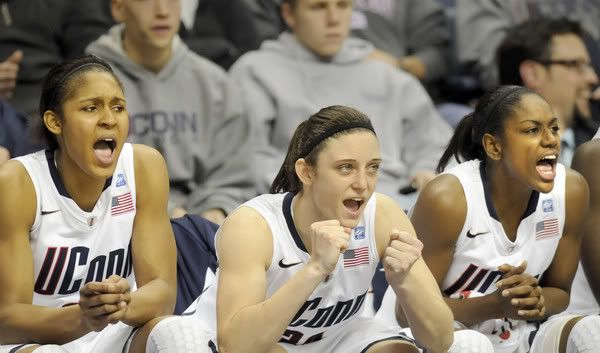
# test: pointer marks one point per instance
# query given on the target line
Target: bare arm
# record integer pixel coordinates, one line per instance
(419, 299)
(248, 321)
(438, 218)
(152, 243)
(585, 162)
(20, 321)
(556, 282)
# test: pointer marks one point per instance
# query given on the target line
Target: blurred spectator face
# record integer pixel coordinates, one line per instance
(568, 75)
(149, 23)
(320, 25)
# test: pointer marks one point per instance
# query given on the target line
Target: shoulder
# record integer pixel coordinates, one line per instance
(205, 66)
(245, 228)
(16, 183)
(441, 209)
(147, 160)
(254, 59)
(444, 192)
(576, 189)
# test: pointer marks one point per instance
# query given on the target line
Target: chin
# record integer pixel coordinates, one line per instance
(545, 187)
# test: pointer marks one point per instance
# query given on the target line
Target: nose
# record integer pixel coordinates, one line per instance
(591, 76)
(161, 7)
(333, 15)
(107, 118)
(550, 138)
(360, 181)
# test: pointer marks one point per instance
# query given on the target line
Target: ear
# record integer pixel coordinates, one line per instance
(492, 146)
(116, 9)
(532, 73)
(52, 122)
(287, 13)
(304, 171)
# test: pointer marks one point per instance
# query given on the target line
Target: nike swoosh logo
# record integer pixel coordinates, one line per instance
(473, 235)
(284, 265)
(49, 212)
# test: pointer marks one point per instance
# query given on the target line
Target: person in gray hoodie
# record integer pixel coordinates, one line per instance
(317, 65)
(181, 104)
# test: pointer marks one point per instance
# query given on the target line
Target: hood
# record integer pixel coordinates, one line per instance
(352, 51)
(110, 47)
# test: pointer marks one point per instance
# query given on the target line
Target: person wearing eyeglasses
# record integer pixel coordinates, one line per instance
(550, 57)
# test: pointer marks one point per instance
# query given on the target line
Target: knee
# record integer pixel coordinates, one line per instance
(50, 348)
(178, 334)
(471, 341)
(585, 335)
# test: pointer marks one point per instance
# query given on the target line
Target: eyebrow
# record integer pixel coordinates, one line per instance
(354, 160)
(100, 100)
(537, 122)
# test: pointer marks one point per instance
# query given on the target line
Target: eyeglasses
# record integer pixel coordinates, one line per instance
(578, 65)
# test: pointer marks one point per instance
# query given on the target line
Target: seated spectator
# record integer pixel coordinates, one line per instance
(220, 30)
(410, 35)
(15, 139)
(481, 26)
(549, 56)
(316, 65)
(181, 104)
(35, 35)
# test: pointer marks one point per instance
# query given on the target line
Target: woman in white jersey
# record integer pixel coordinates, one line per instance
(295, 265)
(501, 229)
(79, 221)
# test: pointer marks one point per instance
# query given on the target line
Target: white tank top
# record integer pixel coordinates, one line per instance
(338, 300)
(70, 246)
(482, 245)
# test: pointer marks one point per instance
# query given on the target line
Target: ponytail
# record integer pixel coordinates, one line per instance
(462, 145)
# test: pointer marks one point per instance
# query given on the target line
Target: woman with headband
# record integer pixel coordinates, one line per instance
(501, 229)
(82, 224)
(296, 264)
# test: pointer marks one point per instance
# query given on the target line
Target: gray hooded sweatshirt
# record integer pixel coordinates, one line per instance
(283, 83)
(191, 113)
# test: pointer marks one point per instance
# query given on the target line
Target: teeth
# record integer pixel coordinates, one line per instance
(550, 157)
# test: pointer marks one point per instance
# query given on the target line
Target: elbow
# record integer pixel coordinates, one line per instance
(439, 336)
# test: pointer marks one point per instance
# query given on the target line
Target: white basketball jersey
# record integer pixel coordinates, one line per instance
(339, 299)
(482, 246)
(70, 246)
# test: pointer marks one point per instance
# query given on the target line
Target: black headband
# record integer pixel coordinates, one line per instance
(74, 70)
(334, 130)
(495, 104)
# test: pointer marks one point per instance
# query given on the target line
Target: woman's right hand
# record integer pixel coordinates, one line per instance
(103, 303)
(519, 293)
(329, 239)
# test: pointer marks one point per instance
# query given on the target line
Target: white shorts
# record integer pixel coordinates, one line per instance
(113, 339)
(355, 337)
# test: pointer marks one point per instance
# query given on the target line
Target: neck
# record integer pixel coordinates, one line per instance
(509, 196)
(82, 188)
(152, 59)
(304, 217)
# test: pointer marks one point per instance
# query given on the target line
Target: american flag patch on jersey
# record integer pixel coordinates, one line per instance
(546, 229)
(355, 257)
(121, 204)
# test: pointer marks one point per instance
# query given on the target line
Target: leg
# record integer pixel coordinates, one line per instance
(471, 341)
(582, 335)
(43, 349)
(171, 334)
(392, 346)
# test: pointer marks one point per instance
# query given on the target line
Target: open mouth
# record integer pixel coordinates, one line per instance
(546, 166)
(104, 149)
(353, 205)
